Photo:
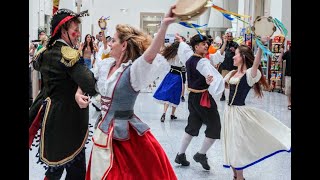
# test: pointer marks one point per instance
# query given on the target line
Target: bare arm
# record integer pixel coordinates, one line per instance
(257, 59)
(224, 44)
(157, 42)
(104, 39)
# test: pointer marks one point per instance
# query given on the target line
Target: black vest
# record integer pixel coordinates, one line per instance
(195, 79)
(242, 92)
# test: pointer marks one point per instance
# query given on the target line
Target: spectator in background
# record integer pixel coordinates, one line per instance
(88, 49)
(35, 75)
(287, 56)
(227, 65)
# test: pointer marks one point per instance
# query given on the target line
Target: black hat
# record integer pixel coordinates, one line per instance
(62, 16)
(196, 39)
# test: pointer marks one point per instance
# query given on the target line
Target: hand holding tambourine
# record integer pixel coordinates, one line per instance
(265, 39)
(102, 22)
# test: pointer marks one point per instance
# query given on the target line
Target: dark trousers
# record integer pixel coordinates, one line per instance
(76, 170)
(201, 115)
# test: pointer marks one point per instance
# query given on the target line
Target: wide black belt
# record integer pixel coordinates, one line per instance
(175, 70)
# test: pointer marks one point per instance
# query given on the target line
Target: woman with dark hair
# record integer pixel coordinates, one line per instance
(123, 145)
(249, 135)
(88, 48)
(169, 91)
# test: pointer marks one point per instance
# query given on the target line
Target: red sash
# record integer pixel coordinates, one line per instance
(205, 100)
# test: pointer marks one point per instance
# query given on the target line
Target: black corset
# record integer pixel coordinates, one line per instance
(241, 92)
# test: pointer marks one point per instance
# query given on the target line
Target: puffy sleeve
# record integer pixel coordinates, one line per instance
(227, 76)
(205, 68)
(143, 73)
(184, 52)
(101, 69)
(251, 81)
(217, 58)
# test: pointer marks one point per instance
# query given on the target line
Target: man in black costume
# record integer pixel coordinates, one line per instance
(64, 125)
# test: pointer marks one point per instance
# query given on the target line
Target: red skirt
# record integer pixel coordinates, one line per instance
(140, 157)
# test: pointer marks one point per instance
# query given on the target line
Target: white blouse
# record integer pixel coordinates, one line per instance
(141, 73)
(175, 62)
(250, 80)
(205, 67)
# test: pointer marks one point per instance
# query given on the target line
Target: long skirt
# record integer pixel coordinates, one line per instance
(170, 89)
(250, 135)
(139, 158)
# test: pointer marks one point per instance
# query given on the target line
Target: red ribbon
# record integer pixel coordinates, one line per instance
(60, 24)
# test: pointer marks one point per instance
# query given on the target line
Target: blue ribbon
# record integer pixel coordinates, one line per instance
(228, 16)
(194, 26)
(265, 50)
(280, 26)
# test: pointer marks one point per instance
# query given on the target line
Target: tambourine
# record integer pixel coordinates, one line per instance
(102, 22)
(187, 10)
(263, 26)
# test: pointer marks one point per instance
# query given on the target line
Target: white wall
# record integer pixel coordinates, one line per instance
(276, 12)
(286, 16)
(112, 8)
(37, 11)
(98, 8)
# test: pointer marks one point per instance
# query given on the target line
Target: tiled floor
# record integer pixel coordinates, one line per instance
(169, 135)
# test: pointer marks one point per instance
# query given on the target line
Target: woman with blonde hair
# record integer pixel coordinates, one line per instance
(123, 146)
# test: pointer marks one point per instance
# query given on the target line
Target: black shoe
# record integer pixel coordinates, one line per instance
(181, 159)
(202, 159)
(223, 98)
(163, 117)
(173, 117)
(182, 99)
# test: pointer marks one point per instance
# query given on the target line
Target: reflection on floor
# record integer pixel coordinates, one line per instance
(170, 132)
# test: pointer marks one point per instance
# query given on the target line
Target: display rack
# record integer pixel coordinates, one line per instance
(275, 68)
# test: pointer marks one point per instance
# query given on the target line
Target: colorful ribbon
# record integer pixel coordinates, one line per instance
(265, 51)
(107, 18)
(227, 14)
(223, 11)
(280, 26)
(194, 26)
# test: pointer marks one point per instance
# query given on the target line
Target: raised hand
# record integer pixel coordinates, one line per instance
(169, 17)
(178, 37)
(265, 39)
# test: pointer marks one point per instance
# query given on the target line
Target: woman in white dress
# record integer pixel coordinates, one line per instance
(249, 135)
